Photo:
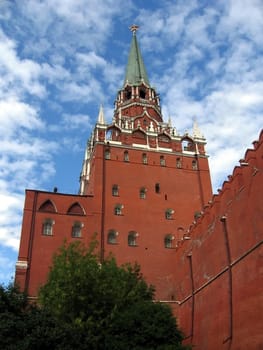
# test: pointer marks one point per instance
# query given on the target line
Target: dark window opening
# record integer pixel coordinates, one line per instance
(107, 154)
(128, 94)
(112, 237)
(126, 156)
(168, 241)
(115, 190)
(157, 188)
(144, 158)
(47, 229)
(142, 94)
(142, 193)
(162, 161)
(132, 236)
(76, 230)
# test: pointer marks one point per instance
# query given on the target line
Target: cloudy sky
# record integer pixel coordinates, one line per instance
(60, 59)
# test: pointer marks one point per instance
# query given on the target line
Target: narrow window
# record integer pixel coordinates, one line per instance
(128, 94)
(112, 237)
(76, 229)
(162, 161)
(194, 165)
(168, 241)
(118, 209)
(185, 145)
(169, 214)
(107, 154)
(126, 156)
(115, 190)
(157, 188)
(132, 239)
(48, 227)
(143, 193)
(144, 158)
(142, 93)
(178, 163)
(109, 135)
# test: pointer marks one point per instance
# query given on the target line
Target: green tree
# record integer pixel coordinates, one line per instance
(24, 326)
(104, 306)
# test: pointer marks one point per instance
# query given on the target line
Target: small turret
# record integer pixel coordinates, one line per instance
(101, 119)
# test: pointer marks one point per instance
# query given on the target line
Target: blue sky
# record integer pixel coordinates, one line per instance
(60, 59)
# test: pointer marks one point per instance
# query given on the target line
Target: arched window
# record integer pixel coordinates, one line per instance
(115, 190)
(126, 156)
(168, 241)
(76, 229)
(109, 134)
(112, 237)
(162, 161)
(142, 193)
(169, 214)
(144, 158)
(194, 165)
(188, 145)
(47, 229)
(157, 188)
(132, 238)
(107, 154)
(118, 209)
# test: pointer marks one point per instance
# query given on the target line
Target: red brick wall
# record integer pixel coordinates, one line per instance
(221, 306)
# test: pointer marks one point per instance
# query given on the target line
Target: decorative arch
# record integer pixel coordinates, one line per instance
(48, 206)
(76, 209)
(113, 133)
(188, 144)
(164, 138)
(139, 134)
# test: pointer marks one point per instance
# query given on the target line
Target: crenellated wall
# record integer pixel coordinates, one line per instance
(219, 271)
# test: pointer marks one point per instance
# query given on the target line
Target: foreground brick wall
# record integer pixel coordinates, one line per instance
(219, 271)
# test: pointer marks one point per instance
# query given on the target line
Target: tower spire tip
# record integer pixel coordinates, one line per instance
(134, 29)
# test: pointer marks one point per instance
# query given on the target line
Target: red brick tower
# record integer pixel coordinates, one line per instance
(140, 187)
(149, 181)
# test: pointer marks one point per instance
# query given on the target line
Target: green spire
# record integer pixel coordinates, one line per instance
(135, 70)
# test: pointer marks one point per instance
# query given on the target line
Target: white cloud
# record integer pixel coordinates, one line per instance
(78, 121)
(243, 17)
(19, 74)
(10, 219)
(15, 114)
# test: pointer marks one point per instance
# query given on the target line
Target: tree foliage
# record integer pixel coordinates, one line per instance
(87, 305)
(24, 326)
(113, 306)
